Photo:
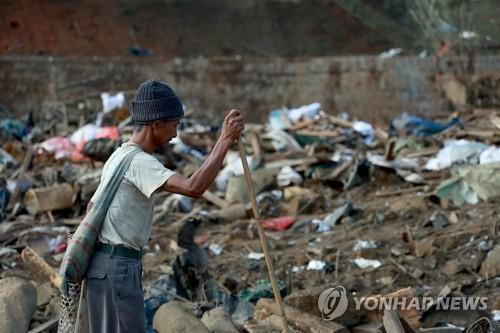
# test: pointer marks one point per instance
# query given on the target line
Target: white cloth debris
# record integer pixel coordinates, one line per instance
(232, 168)
(367, 263)
(390, 53)
(468, 34)
(298, 269)
(282, 141)
(490, 155)
(455, 151)
(315, 265)
(288, 176)
(366, 130)
(362, 244)
(256, 256)
(111, 102)
(306, 111)
(216, 249)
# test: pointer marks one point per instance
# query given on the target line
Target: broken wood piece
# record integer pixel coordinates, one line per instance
(213, 198)
(304, 321)
(392, 323)
(424, 152)
(441, 330)
(186, 217)
(255, 143)
(379, 133)
(45, 199)
(38, 266)
(327, 134)
(340, 169)
(495, 120)
(410, 314)
(371, 327)
(50, 216)
(382, 135)
(290, 162)
(340, 122)
(403, 190)
(478, 133)
(303, 124)
(45, 327)
(389, 150)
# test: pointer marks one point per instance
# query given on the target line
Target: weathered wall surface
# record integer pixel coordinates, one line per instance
(364, 86)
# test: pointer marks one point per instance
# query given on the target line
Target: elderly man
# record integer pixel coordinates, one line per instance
(113, 279)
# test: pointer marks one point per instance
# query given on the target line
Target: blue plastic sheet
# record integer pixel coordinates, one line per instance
(413, 125)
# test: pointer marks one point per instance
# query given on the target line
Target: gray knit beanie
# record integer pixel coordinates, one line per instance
(155, 101)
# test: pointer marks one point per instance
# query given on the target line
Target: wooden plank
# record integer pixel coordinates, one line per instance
(326, 134)
(290, 162)
(39, 266)
(213, 198)
(48, 325)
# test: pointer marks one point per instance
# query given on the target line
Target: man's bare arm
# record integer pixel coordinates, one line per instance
(201, 180)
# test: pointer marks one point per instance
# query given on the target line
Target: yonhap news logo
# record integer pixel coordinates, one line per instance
(333, 303)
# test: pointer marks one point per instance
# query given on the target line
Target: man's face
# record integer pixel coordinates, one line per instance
(165, 131)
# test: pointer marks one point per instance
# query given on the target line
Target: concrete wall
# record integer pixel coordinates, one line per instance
(364, 86)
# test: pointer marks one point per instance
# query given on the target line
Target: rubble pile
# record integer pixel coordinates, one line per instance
(408, 208)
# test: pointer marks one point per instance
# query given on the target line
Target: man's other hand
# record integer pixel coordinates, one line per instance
(233, 125)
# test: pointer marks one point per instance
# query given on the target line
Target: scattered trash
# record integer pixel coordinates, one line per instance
(362, 244)
(278, 223)
(215, 249)
(366, 130)
(331, 219)
(283, 118)
(315, 265)
(390, 53)
(471, 183)
(367, 263)
(328, 187)
(287, 176)
(255, 256)
(261, 289)
(111, 102)
(455, 151)
(420, 127)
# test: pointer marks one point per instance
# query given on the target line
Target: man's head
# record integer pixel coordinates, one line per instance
(157, 107)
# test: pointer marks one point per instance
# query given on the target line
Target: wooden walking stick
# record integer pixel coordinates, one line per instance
(262, 236)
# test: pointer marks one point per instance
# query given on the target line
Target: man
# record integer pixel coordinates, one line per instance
(113, 279)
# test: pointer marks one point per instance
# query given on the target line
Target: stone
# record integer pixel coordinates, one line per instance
(217, 320)
(301, 320)
(44, 293)
(452, 267)
(270, 324)
(237, 187)
(173, 317)
(439, 220)
(17, 304)
(233, 212)
(424, 248)
(417, 273)
(454, 90)
(491, 265)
